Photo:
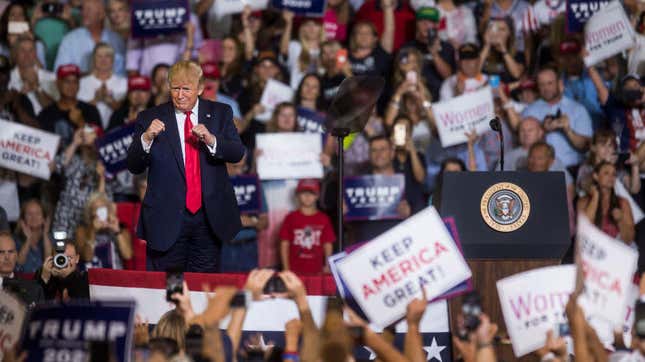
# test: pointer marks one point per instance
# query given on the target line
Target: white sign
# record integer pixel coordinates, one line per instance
(274, 93)
(608, 266)
(462, 114)
(533, 302)
(289, 155)
(27, 150)
(12, 315)
(226, 7)
(608, 32)
(386, 274)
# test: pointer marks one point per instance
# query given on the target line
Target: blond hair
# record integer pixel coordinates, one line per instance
(186, 68)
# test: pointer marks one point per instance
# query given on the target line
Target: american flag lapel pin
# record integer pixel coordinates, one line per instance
(208, 115)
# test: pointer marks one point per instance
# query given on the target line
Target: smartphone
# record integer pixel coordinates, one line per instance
(562, 330)
(494, 81)
(341, 57)
(274, 285)
(622, 158)
(400, 134)
(411, 77)
(17, 27)
(102, 213)
(494, 27)
(174, 284)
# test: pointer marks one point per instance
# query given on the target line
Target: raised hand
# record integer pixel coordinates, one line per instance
(155, 127)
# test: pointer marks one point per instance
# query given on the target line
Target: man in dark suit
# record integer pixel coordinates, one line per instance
(189, 207)
(27, 290)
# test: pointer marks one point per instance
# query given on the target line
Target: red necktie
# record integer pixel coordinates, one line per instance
(193, 173)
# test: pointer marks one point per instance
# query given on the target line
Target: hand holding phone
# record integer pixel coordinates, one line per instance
(400, 134)
(411, 77)
(174, 284)
(341, 58)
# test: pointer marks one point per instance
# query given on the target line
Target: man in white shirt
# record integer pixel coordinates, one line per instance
(38, 84)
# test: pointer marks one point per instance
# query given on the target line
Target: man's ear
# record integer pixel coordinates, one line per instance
(200, 88)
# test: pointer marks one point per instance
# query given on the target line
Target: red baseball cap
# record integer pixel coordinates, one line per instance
(68, 69)
(569, 47)
(310, 185)
(139, 82)
(210, 70)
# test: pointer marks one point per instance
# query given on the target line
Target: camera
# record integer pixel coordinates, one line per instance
(61, 261)
(471, 309)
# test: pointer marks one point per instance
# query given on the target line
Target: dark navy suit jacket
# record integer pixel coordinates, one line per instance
(164, 204)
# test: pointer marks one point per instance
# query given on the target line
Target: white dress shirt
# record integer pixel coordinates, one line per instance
(181, 118)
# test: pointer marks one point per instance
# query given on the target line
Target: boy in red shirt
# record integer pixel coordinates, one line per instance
(306, 235)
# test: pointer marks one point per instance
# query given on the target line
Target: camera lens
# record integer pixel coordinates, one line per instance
(60, 261)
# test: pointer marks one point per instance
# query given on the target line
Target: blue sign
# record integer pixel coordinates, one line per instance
(579, 11)
(301, 7)
(373, 197)
(151, 18)
(310, 121)
(63, 332)
(247, 192)
(113, 148)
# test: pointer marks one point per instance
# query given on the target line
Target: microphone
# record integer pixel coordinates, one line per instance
(496, 126)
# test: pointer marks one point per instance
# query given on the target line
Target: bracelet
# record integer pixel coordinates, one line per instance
(291, 356)
(484, 345)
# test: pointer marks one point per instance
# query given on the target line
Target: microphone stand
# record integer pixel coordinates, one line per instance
(496, 126)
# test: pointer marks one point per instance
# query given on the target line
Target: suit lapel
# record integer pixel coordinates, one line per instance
(173, 137)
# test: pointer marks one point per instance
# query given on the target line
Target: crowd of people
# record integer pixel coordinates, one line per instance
(73, 68)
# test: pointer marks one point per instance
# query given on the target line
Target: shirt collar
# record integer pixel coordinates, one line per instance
(194, 110)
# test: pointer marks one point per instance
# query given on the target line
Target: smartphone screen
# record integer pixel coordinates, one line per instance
(399, 134)
(341, 57)
(174, 284)
(411, 76)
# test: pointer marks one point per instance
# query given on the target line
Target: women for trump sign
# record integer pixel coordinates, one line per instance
(533, 302)
(455, 117)
(387, 273)
(608, 32)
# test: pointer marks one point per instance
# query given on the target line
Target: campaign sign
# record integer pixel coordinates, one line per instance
(289, 155)
(62, 332)
(151, 18)
(26, 149)
(274, 93)
(608, 32)
(310, 121)
(373, 197)
(579, 11)
(301, 7)
(533, 302)
(247, 192)
(386, 274)
(608, 267)
(462, 114)
(226, 7)
(12, 315)
(113, 148)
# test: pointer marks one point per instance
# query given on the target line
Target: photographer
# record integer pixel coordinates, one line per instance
(60, 277)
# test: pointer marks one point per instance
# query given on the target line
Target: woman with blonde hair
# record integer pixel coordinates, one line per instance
(101, 241)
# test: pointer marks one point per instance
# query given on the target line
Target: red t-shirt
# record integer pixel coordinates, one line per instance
(404, 20)
(306, 236)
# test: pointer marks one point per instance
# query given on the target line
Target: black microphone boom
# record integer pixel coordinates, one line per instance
(496, 126)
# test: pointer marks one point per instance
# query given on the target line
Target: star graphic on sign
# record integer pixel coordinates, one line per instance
(434, 351)
(372, 356)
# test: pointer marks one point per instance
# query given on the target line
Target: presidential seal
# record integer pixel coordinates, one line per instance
(505, 207)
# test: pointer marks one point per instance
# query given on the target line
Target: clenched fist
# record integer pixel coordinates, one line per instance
(153, 130)
(203, 134)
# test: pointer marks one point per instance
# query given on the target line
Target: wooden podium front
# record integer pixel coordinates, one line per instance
(541, 240)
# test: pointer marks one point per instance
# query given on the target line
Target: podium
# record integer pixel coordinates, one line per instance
(508, 222)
